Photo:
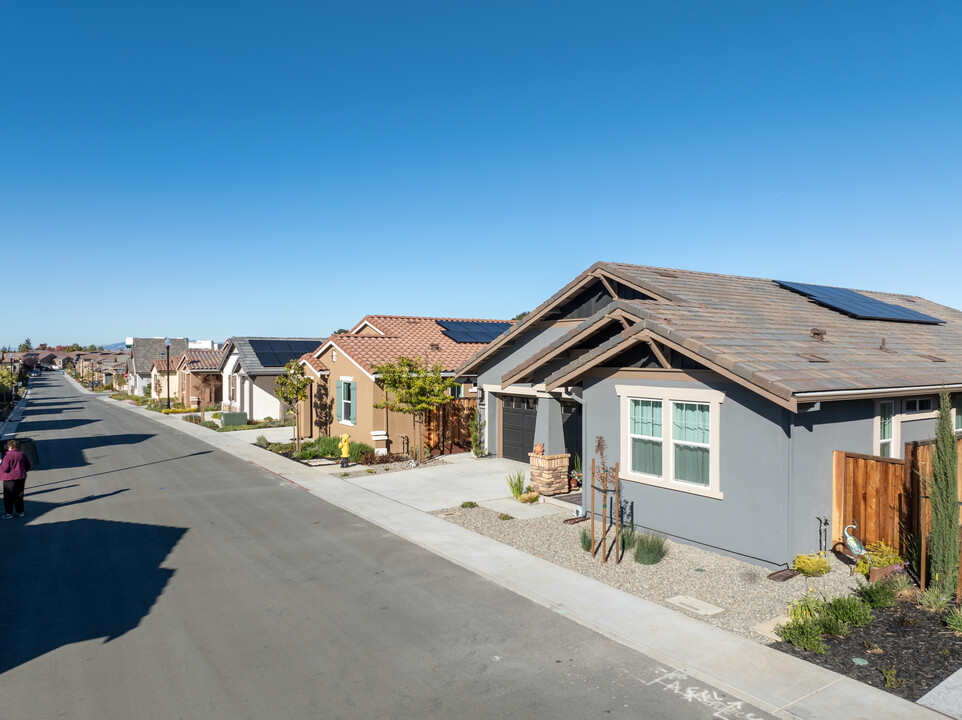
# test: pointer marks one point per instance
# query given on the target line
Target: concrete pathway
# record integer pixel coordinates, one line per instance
(783, 685)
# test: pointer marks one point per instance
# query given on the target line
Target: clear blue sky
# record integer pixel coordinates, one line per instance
(284, 168)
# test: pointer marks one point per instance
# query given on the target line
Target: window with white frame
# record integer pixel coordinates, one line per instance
(957, 404)
(347, 400)
(671, 437)
(886, 434)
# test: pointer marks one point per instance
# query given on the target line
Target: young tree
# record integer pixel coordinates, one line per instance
(292, 388)
(206, 382)
(416, 388)
(943, 492)
(25, 346)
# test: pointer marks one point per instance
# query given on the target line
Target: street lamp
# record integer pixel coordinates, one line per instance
(167, 345)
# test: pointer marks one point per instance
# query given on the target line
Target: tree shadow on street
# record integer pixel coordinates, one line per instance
(76, 580)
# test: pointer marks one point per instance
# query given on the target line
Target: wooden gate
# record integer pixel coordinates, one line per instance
(446, 428)
(876, 494)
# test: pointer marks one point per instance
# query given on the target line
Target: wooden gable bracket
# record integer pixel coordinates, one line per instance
(608, 286)
(662, 354)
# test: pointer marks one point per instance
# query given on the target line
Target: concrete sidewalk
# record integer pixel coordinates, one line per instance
(783, 685)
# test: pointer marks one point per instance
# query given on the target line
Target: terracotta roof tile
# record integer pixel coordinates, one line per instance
(408, 336)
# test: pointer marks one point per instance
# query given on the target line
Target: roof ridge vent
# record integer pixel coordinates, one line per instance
(818, 334)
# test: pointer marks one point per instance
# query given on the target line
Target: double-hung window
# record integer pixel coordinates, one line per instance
(346, 401)
(671, 437)
(645, 436)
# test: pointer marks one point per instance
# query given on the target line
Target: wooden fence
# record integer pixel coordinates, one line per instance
(446, 428)
(883, 496)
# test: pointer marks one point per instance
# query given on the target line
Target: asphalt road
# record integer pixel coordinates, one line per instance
(157, 577)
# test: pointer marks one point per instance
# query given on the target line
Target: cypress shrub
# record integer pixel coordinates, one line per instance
(944, 496)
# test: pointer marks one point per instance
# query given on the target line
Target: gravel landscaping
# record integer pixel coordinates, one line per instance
(743, 590)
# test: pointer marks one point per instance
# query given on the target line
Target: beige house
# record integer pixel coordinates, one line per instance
(346, 387)
(158, 380)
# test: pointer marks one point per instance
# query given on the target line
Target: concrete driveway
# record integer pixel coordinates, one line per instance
(462, 477)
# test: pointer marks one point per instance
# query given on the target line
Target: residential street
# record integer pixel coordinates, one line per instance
(158, 577)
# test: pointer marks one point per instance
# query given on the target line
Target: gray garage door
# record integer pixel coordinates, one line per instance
(518, 416)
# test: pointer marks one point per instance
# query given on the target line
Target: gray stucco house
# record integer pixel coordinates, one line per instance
(143, 353)
(722, 397)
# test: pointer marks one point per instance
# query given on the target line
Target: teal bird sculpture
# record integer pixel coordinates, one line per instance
(852, 542)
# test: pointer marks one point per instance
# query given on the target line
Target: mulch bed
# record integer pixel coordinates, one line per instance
(914, 641)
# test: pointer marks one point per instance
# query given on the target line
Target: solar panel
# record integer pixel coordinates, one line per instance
(276, 353)
(858, 305)
(472, 331)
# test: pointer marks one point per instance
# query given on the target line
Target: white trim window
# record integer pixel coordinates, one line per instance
(886, 428)
(670, 438)
(957, 405)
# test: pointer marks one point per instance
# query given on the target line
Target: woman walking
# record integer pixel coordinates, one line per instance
(13, 473)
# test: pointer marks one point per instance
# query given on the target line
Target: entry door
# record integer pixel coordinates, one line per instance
(571, 427)
(518, 416)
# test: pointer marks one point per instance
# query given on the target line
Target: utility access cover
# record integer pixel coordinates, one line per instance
(699, 607)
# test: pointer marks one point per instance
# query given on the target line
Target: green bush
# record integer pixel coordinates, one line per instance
(585, 538)
(832, 625)
(467, 504)
(878, 554)
(849, 609)
(650, 548)
(932, 599)
(876, 595)
(516, 483)
(805, 634)
(811, 565)
(953, 619)
(191, 419)
(209, 424)
(806, 608)
(261, 441)
(356, 450)
(628, 537)
(216, 416)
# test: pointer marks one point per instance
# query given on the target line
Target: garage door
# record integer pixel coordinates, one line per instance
(518, 415)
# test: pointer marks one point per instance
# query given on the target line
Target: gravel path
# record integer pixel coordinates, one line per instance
(742, 589)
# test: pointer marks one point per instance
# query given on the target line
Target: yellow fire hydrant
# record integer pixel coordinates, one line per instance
(345, 445)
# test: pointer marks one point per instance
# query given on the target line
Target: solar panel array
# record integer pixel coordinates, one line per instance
(276, 353)
(472, 331)
(858, 305)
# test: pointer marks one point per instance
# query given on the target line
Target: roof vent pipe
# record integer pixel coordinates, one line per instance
(819, 335)
(435, 346)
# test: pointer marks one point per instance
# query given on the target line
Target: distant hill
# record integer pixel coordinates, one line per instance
(115, 346)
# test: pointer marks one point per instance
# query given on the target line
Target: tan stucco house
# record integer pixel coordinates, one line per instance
(346, 388)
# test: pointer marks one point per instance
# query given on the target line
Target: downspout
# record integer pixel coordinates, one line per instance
(789, 480)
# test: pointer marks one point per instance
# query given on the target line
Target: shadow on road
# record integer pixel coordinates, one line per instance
(66, 452)
(28, 426)
(66, 582)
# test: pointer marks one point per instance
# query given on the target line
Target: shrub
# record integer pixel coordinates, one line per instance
(628, 537)
(191, 419)
(876, 595)
(954, 619)
(932, 599)
(209, 424)
(899, 582)
(585, 538)
(261, 442)
(528, 496)
(371, 458)
(942, 486)
(806, 608)
(879, 554)
(516, 483)
(467, 504)
(650, 548)
(832, 625)
(356, 450)
(805, 634)
(811, 565)
(505, 516)
(216, 416)
(849, 609)
(476, 428)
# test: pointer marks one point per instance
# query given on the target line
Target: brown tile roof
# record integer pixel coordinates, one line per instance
(762, 333)
(313, 362)
(409, 336)
(200, 360)
(160, 365)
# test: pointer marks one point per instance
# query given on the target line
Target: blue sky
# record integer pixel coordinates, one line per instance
(236, 168)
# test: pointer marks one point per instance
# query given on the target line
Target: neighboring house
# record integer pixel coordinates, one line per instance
(143, 353)
(346, 387)
(250, 365)
(160, 375)
(198, 377)
(722, 398)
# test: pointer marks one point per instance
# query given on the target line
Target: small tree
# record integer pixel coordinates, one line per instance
(206, 382)
(416, 386)
(943, 493)
(25, 346)
(292, 388)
